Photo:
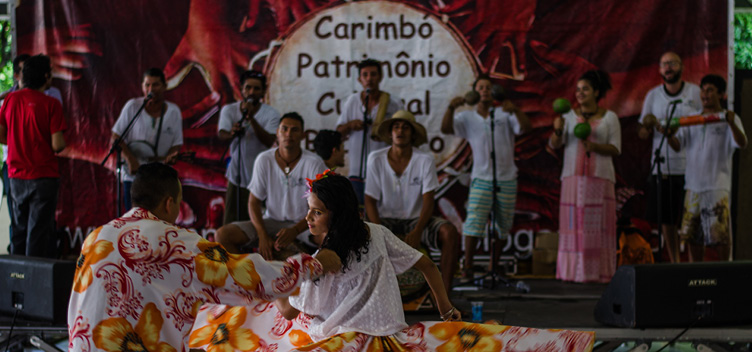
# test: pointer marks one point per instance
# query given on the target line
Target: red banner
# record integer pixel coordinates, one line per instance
(433, 49)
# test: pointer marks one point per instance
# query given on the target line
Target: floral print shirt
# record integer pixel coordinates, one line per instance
(140, 281)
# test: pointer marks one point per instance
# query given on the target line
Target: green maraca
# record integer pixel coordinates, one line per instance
(582, 130)
(562, 106)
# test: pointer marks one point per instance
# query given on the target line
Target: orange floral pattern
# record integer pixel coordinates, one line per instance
(92, 252)
(140, 282)
(224, 333)
(118, 335)
(299, 338)
(461, 336)
(420, 337)
(332, 344)
(215, 263)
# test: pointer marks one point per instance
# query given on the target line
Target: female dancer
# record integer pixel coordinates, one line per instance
(360, 308)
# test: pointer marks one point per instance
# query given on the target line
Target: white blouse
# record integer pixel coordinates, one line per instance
(366, 298)
(605, 130)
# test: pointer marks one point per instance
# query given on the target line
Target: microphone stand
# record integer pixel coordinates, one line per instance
(493, 275)
(239, 165)
(118, 161)
(657, 163)
(364, 144)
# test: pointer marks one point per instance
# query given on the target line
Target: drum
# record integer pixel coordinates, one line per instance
(412, 284)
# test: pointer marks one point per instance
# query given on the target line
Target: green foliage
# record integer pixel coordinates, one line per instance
(743, 40)
(6, 57)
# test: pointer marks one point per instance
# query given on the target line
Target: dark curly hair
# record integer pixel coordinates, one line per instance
(599, 80)
(347, 235)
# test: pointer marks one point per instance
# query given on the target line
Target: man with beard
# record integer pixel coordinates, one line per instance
(682, 98)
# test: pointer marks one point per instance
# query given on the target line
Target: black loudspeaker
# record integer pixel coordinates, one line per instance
(38, 287)
(676, 295)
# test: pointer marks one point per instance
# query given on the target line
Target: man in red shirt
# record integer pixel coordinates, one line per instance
(32, 125)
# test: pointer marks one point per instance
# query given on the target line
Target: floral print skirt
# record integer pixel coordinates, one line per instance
(262, 328)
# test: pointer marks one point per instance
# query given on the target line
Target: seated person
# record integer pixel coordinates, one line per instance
(359, 308)
(400, 192)
(279, 179)
(138, 277)
(329, 146)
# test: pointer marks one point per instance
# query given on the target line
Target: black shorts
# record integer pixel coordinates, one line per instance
(672, 201)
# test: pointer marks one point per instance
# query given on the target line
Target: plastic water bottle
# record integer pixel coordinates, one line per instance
(521, 286)
(477, 311)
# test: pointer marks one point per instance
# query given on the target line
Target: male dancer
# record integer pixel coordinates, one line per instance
(144, 295)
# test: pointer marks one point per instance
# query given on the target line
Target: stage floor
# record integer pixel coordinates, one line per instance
(554, 304)
(549, 304)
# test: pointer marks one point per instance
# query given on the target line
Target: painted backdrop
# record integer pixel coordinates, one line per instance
(432, 50)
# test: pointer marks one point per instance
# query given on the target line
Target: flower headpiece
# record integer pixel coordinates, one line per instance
(321, 176)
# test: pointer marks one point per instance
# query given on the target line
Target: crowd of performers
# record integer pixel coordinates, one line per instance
(141, 280)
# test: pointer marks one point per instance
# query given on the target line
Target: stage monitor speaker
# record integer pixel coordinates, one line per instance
(676, 295)
(38, 287)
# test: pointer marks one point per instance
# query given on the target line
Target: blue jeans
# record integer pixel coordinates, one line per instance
(359, 186)
(6, 193)
(34, 203)
(126, 196)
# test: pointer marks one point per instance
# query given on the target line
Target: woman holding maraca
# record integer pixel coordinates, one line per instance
(591, 136)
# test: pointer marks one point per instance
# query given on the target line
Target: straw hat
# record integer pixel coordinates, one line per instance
(385, 128)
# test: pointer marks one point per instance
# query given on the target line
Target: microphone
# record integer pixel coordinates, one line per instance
(252, 99)
(497, 92)
(149, 96)
(677, 101)
(472, 97)
(368, 91)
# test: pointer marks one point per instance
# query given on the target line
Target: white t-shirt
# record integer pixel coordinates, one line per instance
(608, 131)
(284, 194)
(267, 117)
(657, 102)
(710, 150)
(477, 131)
(400, 197)
(366, 298)
(353, 110)
(143, 134)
